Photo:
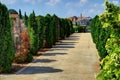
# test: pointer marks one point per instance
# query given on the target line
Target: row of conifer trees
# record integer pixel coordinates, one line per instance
(44, 31)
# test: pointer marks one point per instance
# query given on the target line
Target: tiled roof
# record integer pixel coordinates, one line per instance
(14, 15)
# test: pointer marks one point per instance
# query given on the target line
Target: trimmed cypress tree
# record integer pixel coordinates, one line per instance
(56, 28)
(62, 29)
(6, 42)
(33, 32)
(49, 31)
(41, 30)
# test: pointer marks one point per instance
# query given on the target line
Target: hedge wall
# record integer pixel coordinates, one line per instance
(106, 35)
(100, 36)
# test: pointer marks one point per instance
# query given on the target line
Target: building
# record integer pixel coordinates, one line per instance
(82, 21)
(13, 14)
(73, 19)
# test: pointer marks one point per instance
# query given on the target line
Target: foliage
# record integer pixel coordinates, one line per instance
(66, 28)
(49, 31)
(41, 30)
(56, 27)
(23, 49)
(6, 41)
(81, 29)
(110, 22)
(33, 32)
(100, 36)
(29, 58)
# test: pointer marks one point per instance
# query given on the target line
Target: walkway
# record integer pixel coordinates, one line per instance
(72, 59)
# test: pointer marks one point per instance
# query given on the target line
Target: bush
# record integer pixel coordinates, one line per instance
(23, 50)
(7, 53)
(81, 29)
(29, 58)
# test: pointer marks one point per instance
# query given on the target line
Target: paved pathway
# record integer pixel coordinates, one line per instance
(73, 59)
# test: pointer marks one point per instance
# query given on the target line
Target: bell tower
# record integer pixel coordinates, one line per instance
(81, 16)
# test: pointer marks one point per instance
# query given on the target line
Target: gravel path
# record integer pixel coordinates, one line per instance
(72, 59)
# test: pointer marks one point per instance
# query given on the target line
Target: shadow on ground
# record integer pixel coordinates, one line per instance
(39, 70)
(63, 46)
(72, 38)
(53, 54)
(65, 43)
(44, 61)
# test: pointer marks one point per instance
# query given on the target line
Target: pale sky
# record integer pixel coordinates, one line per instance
(62, 8)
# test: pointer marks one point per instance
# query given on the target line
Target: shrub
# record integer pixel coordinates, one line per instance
(29, 58)
(23, 50)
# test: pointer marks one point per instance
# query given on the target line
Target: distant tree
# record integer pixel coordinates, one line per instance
(26, 19)
(7, 53)
(20, 14)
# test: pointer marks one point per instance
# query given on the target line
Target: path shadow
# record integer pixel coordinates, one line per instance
(63, 46)
(53, 54)
(55, 49)
(65, 43)
(72, 38)
(75, 36)
(44, 61)
(39, 70)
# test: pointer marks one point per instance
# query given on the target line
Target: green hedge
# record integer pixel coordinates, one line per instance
(66, 28)
(6, 41)
(106, 35)
(100, 36)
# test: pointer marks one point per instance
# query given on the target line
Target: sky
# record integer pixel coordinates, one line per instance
(62, 8)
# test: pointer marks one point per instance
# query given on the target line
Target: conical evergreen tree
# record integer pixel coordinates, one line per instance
(6, 41)
(41, 30)
(33, 32)
(56, 28)
(26, 19)
(49, 31)
(20, 14)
